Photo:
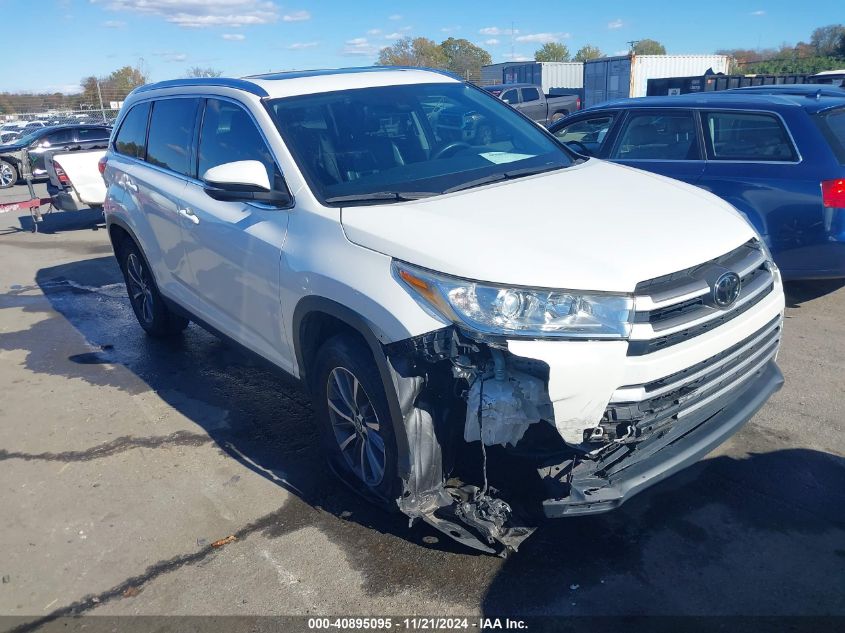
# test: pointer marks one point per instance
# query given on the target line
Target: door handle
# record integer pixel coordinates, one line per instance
(190, 215)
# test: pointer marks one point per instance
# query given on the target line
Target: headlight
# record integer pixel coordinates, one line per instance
(502, 310)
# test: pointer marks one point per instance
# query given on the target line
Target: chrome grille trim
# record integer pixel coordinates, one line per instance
(676, 307)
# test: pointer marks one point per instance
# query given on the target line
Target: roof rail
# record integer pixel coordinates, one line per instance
(319, 72)
(217, 82)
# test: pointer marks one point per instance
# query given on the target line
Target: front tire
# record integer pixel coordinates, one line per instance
(557, 116)
(149, 306)
(354, 418)
(8, 174)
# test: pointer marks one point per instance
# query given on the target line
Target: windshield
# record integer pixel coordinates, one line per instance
(832, 124)
(401, 142)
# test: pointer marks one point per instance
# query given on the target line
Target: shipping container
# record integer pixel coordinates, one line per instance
(548, 75)
(711, 83)
(627, 76)
(493, 74)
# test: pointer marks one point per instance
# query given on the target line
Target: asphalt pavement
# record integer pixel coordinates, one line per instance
(124, 461)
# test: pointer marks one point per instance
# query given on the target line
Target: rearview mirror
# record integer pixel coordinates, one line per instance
(243, 181)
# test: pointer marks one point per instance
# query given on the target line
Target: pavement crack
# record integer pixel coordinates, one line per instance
(118, 445)
(132, 586)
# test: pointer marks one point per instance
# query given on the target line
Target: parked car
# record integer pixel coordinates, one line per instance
(8, 136)
(530, 100)
(65, 137)
(780, 160)
(74, 179)
(432, 295)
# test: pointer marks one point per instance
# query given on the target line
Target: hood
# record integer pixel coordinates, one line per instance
(594, 226)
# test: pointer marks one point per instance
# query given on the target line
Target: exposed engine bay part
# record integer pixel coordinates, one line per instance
(432, 375)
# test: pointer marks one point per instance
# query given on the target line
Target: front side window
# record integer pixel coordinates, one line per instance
(750, 136)
(510, 96)
(530, 94)
(228, 134)
(423, 139)
(658, 136)
(131, 139)
(587, 133)
(171, 134)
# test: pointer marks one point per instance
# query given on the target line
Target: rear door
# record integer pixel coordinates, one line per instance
(664, 141)
(58, 140)
(234, 248)
(754, 164)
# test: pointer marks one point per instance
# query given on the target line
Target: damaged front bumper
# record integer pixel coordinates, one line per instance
(600, 484)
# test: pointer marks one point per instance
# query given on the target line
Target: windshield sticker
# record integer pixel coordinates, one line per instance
(504, 157)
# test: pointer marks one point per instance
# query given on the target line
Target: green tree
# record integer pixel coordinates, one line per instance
(198, 71)
(587, 52)
(418, 51)
(552, 52)
(464, 58)
(649, 47)
(827, 40)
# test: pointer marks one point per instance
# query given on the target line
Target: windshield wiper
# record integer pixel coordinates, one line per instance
(382, 195)
(504, 175)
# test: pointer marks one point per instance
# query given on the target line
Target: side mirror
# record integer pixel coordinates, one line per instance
(243, 181)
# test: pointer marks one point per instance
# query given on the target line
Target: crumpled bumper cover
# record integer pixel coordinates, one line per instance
(599, 485)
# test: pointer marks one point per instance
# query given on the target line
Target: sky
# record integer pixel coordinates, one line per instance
(71, 39)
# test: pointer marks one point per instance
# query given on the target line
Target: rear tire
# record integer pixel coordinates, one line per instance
(557, 116)
(149, 306)
(354, 418)
(8, 174)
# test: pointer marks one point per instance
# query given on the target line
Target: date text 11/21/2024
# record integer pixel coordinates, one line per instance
(416, 624)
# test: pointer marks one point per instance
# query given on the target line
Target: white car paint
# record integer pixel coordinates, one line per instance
(597, 226)
(85, 178)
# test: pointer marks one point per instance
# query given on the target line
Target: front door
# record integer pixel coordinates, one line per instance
(234, 248)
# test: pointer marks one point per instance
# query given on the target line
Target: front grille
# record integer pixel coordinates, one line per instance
(635, 410)
(675, 308)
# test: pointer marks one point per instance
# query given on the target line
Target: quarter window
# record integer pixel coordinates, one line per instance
(658, 136)
(171, 134)
(530, 94)
(131, 139)
(748, 136)
(228, 135)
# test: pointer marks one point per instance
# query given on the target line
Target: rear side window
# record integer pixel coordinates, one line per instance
(171, 134)
(749, 136)
(92, 134)
(131, 139)
(229, 134)
(658, 136)
(60, 136)
(530, 94)
(832, 124)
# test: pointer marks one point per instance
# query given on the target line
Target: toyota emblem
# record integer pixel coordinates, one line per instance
(726, 289)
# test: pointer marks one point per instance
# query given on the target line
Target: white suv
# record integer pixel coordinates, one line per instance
(503, 309)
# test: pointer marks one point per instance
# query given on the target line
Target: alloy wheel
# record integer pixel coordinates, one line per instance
(7, 175)
(356, 426)
(140, 288)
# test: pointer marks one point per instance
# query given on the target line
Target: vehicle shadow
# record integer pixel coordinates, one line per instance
(798, 292)
(59, 222)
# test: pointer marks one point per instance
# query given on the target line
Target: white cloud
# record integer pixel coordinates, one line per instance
(298, 46)
(234, 37)
(616, 24)
(296, 16)
(495, 30)
(542, 38)
(395, 17)
(405, 29)
(394, 36)
(170, 56)
(492, 42)
(360, 47)
(517, 57)
(374, 32)
(450, 29)
(621, 52)
(758, 13)
(200, 13)
(114, 24)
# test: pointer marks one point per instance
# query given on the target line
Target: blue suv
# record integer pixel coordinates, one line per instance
(780, 160)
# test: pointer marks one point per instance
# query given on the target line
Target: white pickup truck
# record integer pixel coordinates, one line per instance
(75, 179)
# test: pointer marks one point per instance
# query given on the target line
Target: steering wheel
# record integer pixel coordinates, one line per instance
(450, 148)
(580, 147)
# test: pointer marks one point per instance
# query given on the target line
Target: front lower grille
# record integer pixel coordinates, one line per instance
(635, 410)
(675, 308)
